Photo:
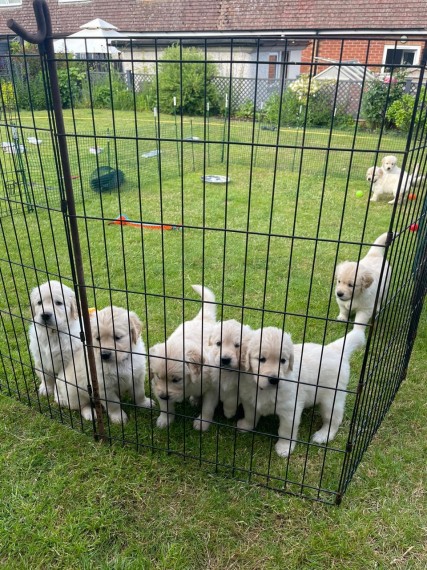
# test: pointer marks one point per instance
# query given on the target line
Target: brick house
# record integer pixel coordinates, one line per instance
(382, 17)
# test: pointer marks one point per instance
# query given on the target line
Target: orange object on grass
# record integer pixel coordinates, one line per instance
(124, 221)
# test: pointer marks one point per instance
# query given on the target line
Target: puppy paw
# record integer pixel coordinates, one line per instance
(45, 389)
(341, 317)
(119, 417)
(146, 403)
(88, 414)
(230, 412)
(163, 421)
(201, 425)
(284, 448)
(391, 202)
(244, 425)
(320, 436)
(194, 401)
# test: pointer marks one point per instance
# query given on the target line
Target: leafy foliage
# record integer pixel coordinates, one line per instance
(401, 111)
(184, 74)
(379, 96)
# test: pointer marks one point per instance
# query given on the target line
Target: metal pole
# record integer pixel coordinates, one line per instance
(43, 38)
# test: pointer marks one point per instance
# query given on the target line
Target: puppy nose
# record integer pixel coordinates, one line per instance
(340, 294)
(105, 355)
(225, 360)
(164, 396)
(46, 316)
(274, 380)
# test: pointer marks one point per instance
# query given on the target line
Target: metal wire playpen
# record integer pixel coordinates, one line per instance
(266, 197)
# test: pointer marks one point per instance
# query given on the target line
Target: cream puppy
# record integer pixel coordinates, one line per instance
(357, 284)
(120, 360)
(120, 366)
(228, 342)
(286, 379)
(374, 176)
(389, 180)
(180, 367)
(54, 333)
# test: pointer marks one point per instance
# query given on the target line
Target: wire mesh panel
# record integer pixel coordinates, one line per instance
(289, 358)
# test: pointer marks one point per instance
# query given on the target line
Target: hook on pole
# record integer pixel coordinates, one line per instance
(44, 28)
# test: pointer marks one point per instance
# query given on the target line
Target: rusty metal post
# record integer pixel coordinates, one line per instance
(43, 38)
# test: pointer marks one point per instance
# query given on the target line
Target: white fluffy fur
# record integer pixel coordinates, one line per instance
(286, 379)
(179, 367)
(54, 333)
(120, 365)
(385, 179)
(228, 342)
(357, 283)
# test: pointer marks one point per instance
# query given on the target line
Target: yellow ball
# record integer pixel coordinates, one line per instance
(359, 194)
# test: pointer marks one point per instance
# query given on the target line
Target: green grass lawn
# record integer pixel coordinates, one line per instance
(67, 502)
(268, 242)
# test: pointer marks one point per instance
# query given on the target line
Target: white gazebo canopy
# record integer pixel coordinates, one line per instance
(93, 38)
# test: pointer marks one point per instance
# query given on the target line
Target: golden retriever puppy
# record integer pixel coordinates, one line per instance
(286, 379)
(374, 176)
(120, 366)
(357, 284)
(54, 333)
(179, 367)
(388, 179)
(120, 360)
(227, 344)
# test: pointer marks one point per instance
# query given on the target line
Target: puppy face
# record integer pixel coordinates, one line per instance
(114, 332)
(172, 370)
(388, 163)
(270, 354)
(374, 174)
(53, 305)
(349, 286)
(228, 342)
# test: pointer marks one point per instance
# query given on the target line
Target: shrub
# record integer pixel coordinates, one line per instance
(400, 112)
(185, 75)
(70, 85)
(379, 96)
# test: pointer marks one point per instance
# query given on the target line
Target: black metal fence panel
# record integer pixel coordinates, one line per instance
(174, 186)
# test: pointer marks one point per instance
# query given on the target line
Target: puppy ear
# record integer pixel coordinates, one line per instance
(291, 360)
(194, 362)
(366, 279)
(156, 350)
(338, 269)
(32, 302)
(246, 331)
(135, 327)
(73, 307)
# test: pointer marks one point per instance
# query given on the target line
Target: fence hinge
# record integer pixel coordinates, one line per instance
(64, 206)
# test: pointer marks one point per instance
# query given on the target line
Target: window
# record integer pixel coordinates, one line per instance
(275, 70)
(394, 55)
(10, 3)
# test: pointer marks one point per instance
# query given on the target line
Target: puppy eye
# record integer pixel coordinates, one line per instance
(236, 345)
(262, 359)
(118, 337)
(175, 380)
(218, 343)
(39, 302)
(350, 285)
(97, 338)
(283, 360)
(59, 303)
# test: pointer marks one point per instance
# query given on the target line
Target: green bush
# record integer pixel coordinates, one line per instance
(314, 110)
(185, 75)
(401, 111)
(70, 85)
(245, 110)
(378, 97)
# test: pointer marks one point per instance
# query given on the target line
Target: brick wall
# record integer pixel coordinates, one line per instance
(366, 52)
